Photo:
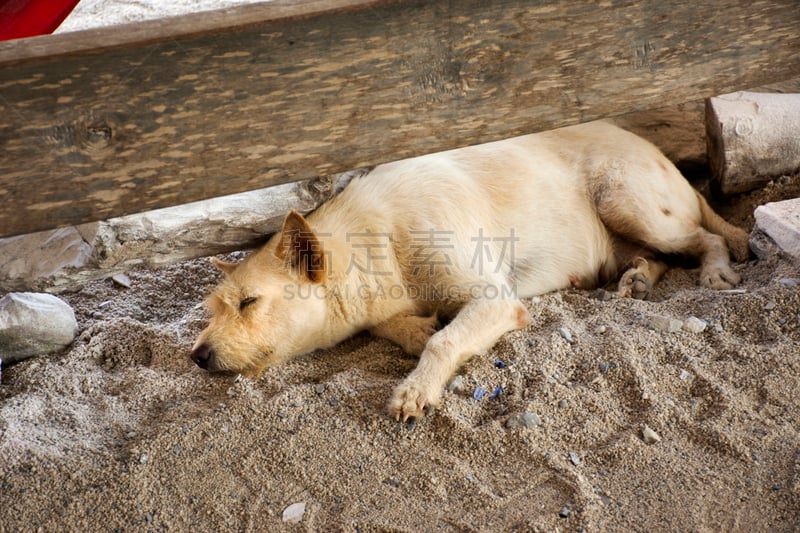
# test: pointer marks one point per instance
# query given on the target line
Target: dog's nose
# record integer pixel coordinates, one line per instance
(202, 356)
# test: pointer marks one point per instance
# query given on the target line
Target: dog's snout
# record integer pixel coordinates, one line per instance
(203, 356)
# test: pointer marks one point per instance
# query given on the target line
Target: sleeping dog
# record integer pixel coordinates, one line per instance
(463, 236)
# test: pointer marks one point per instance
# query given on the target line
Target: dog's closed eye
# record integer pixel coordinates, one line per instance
(245, 302)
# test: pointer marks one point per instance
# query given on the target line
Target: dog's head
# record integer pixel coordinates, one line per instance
(269, 307)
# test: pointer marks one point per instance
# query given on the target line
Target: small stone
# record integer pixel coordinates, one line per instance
(122, 280)
(319, 388)
(770, 306)
(574, 459)
(602, 295)
(685, 375)
(649, 436)
(694, 325)
(294, 513)
(456, 386)
(600, 329)
(565, 511)
(665, 324)
(393, 482)
(789, 283)
(498, 390)
(500, 364)
(604, 367)
(144, 459)
(479, 393)
(565, 333)
(524, 420)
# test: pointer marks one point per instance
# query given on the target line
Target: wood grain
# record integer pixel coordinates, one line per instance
(108, 122)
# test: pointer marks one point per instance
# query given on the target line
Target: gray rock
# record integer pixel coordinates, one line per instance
(762, 245)
(525, 420)
(566, 334)
(789, 283)
(34, 324)
(456, 386)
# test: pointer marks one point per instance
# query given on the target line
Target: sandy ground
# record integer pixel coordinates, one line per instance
(122, 433)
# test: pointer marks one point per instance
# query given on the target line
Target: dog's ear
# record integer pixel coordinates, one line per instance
(300, 249)
(225, 266)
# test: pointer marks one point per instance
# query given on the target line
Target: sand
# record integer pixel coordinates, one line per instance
(121, 432)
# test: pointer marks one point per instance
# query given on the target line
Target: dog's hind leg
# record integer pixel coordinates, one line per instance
(411, 332)
(475, 329)
(672, 220)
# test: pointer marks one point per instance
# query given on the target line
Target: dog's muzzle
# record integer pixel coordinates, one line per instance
(203, 356)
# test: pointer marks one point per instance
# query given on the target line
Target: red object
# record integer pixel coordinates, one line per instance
(26, 18)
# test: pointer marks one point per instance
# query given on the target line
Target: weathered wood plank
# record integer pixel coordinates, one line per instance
(107, 122)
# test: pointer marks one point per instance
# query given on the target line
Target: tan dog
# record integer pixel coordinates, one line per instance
(463, 235)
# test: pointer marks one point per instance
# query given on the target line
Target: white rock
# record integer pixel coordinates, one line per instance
(294, 513)
(123, 280)
(649, 436)
(34, 324)
(665, 324)
(781, 222)
(695, 325)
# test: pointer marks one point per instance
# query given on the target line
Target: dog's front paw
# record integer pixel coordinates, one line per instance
(410, 399)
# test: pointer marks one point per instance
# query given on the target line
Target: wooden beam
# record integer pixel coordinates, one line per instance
(107, 122)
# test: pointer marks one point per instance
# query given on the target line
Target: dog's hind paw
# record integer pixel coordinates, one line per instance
(634, 284)
(410, 400)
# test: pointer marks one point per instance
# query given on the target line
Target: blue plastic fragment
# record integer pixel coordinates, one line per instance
(479, 393)
(496, 392)
(500, 364)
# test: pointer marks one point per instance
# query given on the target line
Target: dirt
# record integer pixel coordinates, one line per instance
(121, 432)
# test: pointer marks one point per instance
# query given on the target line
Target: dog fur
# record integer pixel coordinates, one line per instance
(462, 236)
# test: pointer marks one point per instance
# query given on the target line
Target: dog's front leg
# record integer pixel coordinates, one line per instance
(411, 332)
(475, 329)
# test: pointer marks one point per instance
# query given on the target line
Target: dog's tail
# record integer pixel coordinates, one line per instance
(736, 238)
